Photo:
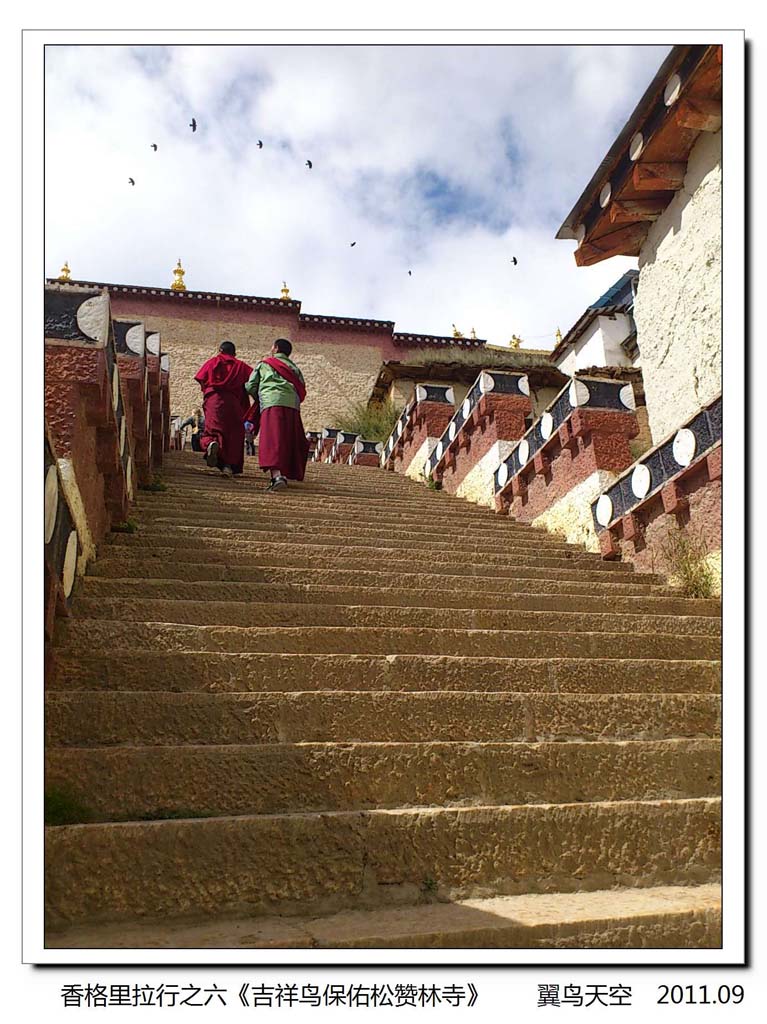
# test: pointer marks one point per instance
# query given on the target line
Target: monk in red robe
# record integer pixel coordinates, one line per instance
(225, 404)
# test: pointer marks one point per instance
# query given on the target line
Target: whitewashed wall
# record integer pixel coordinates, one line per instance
(599, 345)
(677, 308)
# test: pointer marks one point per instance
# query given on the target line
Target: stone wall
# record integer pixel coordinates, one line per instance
(678, 304)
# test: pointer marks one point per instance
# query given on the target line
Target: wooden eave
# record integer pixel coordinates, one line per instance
(621, 227)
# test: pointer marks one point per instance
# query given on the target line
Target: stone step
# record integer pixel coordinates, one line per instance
(107, 587)
(124, 783)
(294, 555)
(655, 917)
(322, 863)
(522, 580)
(89, 718)
(153, 670)
(248, 613)
(82, 635)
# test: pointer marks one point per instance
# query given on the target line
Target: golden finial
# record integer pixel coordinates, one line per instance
(64, 275)
(474, 334)
(285, 292)
(456, 332)
(515, 342)
(558, 335)
(178, 284)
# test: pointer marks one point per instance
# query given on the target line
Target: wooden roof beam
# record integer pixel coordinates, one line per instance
(629, 211)
(700, 114)
(626, 241)
(654, 177)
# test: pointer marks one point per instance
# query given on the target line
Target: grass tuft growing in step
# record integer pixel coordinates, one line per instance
(128, 526)
(63, 807)
(154, 485)
(684, 553)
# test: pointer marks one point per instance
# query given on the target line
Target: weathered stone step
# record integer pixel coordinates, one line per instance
(89, 718)
(82, 635)
(657, 917)
(523, 579)
(248, 613)
(349, 556)
(124, 783)
(107, 587)
(321, 863)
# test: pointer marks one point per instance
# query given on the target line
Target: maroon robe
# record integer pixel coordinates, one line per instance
(225, 403)
(282, 442)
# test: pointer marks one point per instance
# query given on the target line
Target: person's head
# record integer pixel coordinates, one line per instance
(227, 348)
(282, 347)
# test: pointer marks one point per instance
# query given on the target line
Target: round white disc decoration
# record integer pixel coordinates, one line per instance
(400, 427)
(122, 435)
(70, 564)
(93, 317)
(547, 425)
(580, 234)
(450, 396)
(452, 430)
(379, 447)
(640, 481)
(51, 501)
(636, 146)
(149, 418)
(604, 510)
(466, 407)
(153, 344)
(672, 90)
(578, 393)
(134, 339)
(486, 382)
(684, 446)
(626, 395)
(524, 384)
(129, 476)
(420, 393)
(165, 362)
(358, 446)
(604, 195)
(523, 450)
(439, 450)
(115, 387)
(503, 474)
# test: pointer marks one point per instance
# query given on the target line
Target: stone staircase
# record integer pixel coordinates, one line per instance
(363, 714)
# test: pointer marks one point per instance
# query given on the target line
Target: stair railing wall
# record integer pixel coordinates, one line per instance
(418, 429)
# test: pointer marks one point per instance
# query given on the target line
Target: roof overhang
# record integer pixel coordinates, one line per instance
(646, 165)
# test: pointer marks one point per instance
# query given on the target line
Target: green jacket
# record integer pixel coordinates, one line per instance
(272, 389)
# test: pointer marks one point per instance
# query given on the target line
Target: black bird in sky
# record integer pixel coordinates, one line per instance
(410, 273)
(154, 146)
(131, 181)
(353, 244)
(309, 164)
(514, 260)
(193, 125)
(260, 144)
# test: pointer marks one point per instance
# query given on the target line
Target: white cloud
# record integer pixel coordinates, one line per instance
(443, 160)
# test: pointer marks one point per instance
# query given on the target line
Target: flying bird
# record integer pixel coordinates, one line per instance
(154, 146)
(353, 244)
(193, 125)
(410, 273)
(309, 164)
(514, 260)
(131, 181)
(260, 144)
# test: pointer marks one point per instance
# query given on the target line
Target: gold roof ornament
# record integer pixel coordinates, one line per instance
(456, 332)
(558, 335)
(178, 283)
(65, 272)
(515, 342)
(285, 292)
(474, 334)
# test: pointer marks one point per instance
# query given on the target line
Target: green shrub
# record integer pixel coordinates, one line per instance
(372, 422)
(62, 807)
(154, 485)
(129, 526)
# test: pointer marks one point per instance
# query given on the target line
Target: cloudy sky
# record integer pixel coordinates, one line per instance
(443, 160)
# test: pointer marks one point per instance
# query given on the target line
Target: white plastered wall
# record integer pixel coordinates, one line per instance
(678, 304)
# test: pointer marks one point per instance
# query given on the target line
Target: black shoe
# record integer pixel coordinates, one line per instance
(211, 455)
(278, 482)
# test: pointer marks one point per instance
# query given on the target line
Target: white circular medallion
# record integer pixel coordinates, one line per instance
(452, 430)
(626, 395)
(379, 448)
(523, 451)
(578, 393)
(547, 425)
(70, 564)
(466, 407)
(486, 382)
(640, 480)
(439, 450)
(604, 510)
(420, 393)
(636, 146)
(503, 474)
(684, 446)
(122, 435)
(115, 387)
(604, 195)
(580, 233)
(450, 396)
(400, 427)
(672, 90)
(325, 432)
(524, 384)
(134, 339)
(51, 501)
(129, 476)
(358, 446)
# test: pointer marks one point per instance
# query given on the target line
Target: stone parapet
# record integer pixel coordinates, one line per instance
(365, 453)
(324, 444)
(130, 347)
(582, 435)
(63, 546)
(313, 437)
(342, 446)
(419, 427)
(676, 484)
(496, 409)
